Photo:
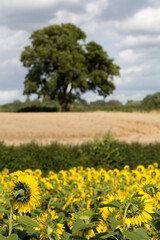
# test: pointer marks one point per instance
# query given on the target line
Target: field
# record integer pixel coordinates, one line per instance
(76, 128)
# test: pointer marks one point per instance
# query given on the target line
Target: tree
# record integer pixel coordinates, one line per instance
(63, 67)
(152, 101)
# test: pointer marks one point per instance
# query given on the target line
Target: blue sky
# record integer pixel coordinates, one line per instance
(128, 30)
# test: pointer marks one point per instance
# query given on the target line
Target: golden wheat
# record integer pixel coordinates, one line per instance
(17, 128)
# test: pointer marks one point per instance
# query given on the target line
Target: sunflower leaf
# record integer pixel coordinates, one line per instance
(137, 195)
(113, 222)
(100, 235)
(66, 235)
(113, 203)
(27, 221)
(3, 210)
(12, 237)
(79, 224)
(2, 237)
(138, 234)
(78, 238)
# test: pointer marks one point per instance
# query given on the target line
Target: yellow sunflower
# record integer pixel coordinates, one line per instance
(136, 211)
(86, 216)
(25, 193)
(50, 228)
(150, 190)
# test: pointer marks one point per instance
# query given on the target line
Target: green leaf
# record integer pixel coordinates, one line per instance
(3, 210)
(113, 222)
(138, 234)
(78, 225)
(114, 203)
(78, 237)
(2, 237)
(104, 235)
(27, 221)
(66, 235)
(157, 212)
(98, 235)
(137, 195)
(12, 237)
(29, 230)
(108, 235)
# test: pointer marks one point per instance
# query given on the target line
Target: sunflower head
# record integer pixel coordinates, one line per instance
(21, 192)
(25, 193)
(50, 228)
(135, 208)
(137, 211)
(89, 218)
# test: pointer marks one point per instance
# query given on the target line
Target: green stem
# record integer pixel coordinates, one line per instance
(115, 237)
(124, 216)
(10, 219)
(154, 195)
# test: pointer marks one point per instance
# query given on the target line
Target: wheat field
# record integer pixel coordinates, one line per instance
(77, 128)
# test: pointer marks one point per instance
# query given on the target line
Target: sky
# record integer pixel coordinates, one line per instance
(129, 31)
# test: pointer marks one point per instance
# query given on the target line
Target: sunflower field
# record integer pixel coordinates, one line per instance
(81, 203)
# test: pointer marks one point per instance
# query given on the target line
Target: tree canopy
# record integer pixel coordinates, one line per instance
(152, 101)
(62, 66)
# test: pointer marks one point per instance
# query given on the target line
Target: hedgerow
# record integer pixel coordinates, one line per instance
(107, 153)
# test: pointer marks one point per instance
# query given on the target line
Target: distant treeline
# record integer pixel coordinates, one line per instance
(149, 103)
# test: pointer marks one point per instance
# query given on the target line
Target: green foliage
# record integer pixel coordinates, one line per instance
(139, 234)
(31, 106)
(27, 221)
(106, 153)
(103, 153)
(151, 102)
(133, 103)
(62, 67)
(112, 105)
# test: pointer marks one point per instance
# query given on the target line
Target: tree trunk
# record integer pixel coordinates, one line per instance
(65, 106)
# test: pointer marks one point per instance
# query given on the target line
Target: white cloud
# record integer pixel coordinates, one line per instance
(9, 95)
(132, 40)
(63, 16)
(117, 81)
(146, 19)
(12, 40)
(129, 56)
(95, 8)
(36, 4)
(91, 9)
(14, 62)
(154, 2)
(141, 41)
(134, 69)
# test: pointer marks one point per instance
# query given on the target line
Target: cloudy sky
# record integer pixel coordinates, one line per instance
(128, 30)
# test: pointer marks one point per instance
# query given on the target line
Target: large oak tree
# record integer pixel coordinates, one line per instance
(62, 66)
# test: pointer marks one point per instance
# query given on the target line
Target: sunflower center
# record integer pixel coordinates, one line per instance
(136, 207)
(21, 192)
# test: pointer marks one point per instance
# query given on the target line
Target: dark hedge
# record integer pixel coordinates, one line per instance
(106, 153)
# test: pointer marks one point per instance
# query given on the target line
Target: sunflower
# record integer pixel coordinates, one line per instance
(38, 172)
(150, 190)
(68, 201)
(86, 216)
(25, 193)
(105, 211)
(136, 211)
(50, 228)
